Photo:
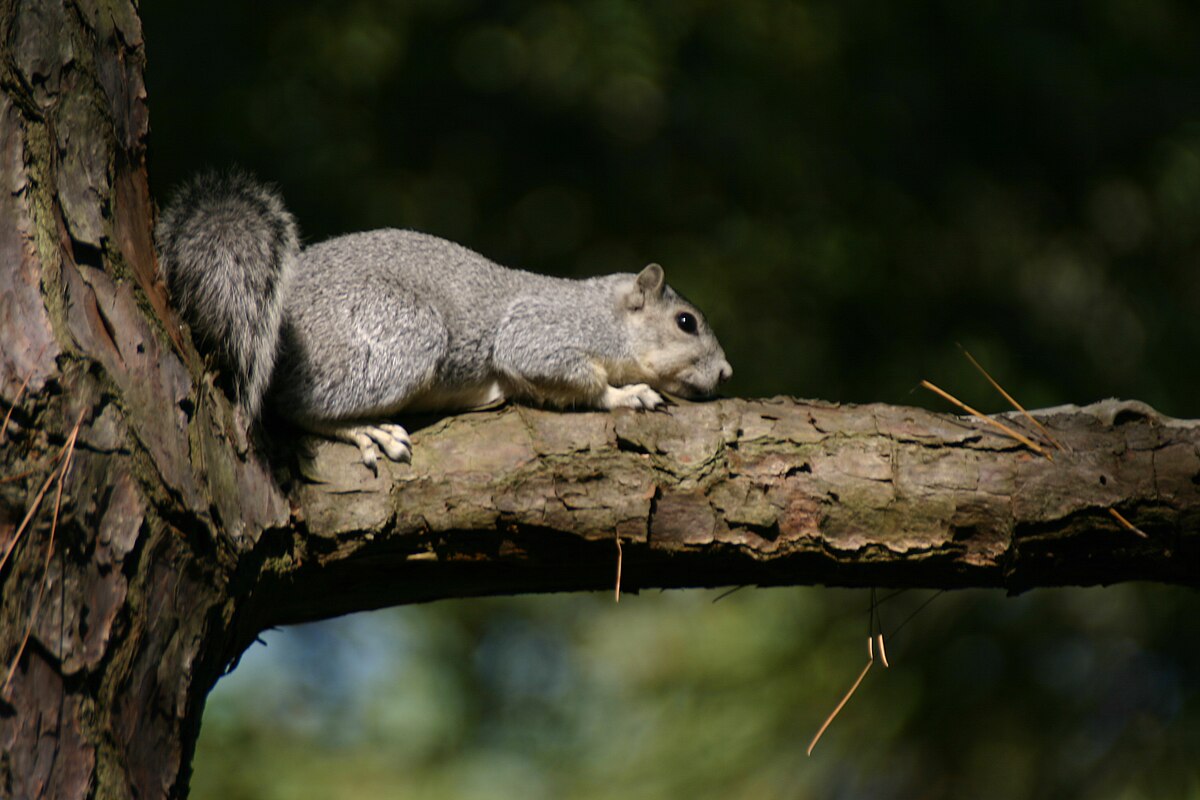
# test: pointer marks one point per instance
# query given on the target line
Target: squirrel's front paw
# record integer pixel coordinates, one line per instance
(637, 395)
(393, 440)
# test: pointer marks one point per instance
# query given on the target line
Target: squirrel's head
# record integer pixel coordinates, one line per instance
(675, 348)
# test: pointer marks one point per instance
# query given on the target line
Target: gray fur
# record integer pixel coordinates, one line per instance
(383, 321)
(227, 249)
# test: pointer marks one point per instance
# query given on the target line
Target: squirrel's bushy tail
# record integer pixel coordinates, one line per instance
(227, 248)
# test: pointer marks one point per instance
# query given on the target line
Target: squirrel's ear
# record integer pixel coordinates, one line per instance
(647, 286)
(652, 281)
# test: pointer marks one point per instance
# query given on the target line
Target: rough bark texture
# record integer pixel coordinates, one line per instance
(174, 544)
(775, 491)
(105, 699)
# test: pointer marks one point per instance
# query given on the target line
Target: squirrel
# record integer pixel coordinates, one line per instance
(342, 335)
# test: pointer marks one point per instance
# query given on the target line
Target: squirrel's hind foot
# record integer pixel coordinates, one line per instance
(390, 438)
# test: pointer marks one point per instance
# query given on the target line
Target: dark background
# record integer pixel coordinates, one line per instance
(848, 189)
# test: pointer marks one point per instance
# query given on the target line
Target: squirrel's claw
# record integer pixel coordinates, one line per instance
(366, 448)
(394, 441)
(370, 439)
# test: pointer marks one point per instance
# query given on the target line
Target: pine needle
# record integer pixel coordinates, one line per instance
(1012, 401)
(1007, 431)
(33, 507)
(1117, 516)
(728, 592)
(918, 610)
(60, 474)
(37, 500)
(833, 714)
(20, 394)
(620, 558)
(19, 476)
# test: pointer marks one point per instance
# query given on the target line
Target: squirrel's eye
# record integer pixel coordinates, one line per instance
(686, 322)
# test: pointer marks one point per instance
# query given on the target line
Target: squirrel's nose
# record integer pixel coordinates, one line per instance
(724, 372)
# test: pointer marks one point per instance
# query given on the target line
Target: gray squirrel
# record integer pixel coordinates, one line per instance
(342, 335)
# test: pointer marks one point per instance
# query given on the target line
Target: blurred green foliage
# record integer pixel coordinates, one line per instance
(1073, 693)
(848, 189)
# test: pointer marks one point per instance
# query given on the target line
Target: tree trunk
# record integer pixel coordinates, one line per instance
(158, 505)
(159, 543)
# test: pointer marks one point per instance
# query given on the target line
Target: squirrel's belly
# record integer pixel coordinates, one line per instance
(469, 397)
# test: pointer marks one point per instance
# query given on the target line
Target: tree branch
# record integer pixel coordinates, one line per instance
(738, 491)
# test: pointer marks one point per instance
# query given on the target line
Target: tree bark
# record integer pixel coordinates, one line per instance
(147, 567)
(121, 594)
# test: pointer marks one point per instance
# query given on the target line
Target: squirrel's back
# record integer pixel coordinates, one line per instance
(227, 249)
(386, 319)
(468, 289)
